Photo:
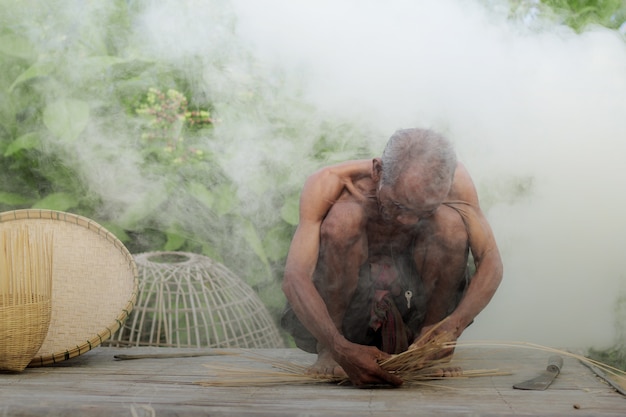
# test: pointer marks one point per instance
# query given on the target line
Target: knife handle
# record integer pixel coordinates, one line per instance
(555, 363)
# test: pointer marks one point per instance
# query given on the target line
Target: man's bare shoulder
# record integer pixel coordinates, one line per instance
(347, 180)
(349, 170)
(462, 189)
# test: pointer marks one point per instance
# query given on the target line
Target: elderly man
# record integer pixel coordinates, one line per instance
(380, 257)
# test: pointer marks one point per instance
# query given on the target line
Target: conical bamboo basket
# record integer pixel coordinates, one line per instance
(25, 294)
(94, 282)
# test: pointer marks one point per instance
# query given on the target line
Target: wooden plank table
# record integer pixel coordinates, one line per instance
(97, 384)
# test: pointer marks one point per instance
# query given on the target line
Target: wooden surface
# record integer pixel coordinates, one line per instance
(96, 384)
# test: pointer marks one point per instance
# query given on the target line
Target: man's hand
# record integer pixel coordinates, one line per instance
(361, 364)
(443, 332)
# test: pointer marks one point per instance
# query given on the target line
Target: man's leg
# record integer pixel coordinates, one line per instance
(441, 254)
(343, 250)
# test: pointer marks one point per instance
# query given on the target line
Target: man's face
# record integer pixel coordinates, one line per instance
(406, 202)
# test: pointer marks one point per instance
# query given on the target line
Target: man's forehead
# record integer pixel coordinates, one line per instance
(414, 198)
(420, 189)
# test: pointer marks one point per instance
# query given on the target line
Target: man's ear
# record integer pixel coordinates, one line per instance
(377, 169)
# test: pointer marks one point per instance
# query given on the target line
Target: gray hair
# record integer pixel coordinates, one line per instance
(420, 151)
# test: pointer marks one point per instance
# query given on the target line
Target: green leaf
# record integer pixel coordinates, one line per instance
(200, 193)
(17, 46)
(276, 242)
(14, 199)
(174, 241)
(226, 198)
(119, 232)
(212, 253)
(27, 141)
(97, 64)
(57, 201)
(38, 69)
(66, 118)
(289, 212)
(143, 209)
(251, 237)
(273, 296)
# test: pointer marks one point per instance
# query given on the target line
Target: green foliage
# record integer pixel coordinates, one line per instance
(92, 124)
(167, 119)
(580, 13)
(614, 356)
(66, 118)
(62, 85)
(577, 14)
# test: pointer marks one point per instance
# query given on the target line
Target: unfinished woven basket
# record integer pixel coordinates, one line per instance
(25, 294)
(94, 282)
(189, 300)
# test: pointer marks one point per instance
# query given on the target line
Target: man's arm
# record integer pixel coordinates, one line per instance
(320, 191)
(489, 270)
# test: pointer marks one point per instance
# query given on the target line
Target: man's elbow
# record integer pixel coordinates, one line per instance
(497, 271)
(288, 285)
(493, 269)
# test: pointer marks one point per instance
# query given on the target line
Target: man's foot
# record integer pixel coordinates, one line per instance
(326, 366)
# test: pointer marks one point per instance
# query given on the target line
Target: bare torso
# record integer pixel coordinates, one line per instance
(385, 239)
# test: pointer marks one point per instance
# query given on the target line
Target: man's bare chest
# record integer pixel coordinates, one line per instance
(387, 239)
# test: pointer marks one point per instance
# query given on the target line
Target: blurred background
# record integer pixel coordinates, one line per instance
(189, 125)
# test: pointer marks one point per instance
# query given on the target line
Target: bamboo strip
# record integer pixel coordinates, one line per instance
(414, 366)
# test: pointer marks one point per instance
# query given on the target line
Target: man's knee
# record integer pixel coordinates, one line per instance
(343, 225)
(442, 242)
(449, 231)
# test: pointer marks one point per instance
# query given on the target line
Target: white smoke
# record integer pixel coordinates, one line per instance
(536, 111)
(544, 106)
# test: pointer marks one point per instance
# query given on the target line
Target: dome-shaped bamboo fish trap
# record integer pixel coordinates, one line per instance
(188, 300)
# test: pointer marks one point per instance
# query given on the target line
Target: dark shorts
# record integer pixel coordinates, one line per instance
(356, 323)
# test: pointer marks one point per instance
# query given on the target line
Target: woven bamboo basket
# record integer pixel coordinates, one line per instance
(94, 282)
(188, 300)
(25, 294)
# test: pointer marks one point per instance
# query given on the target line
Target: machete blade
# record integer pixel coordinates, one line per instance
(543, 381)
